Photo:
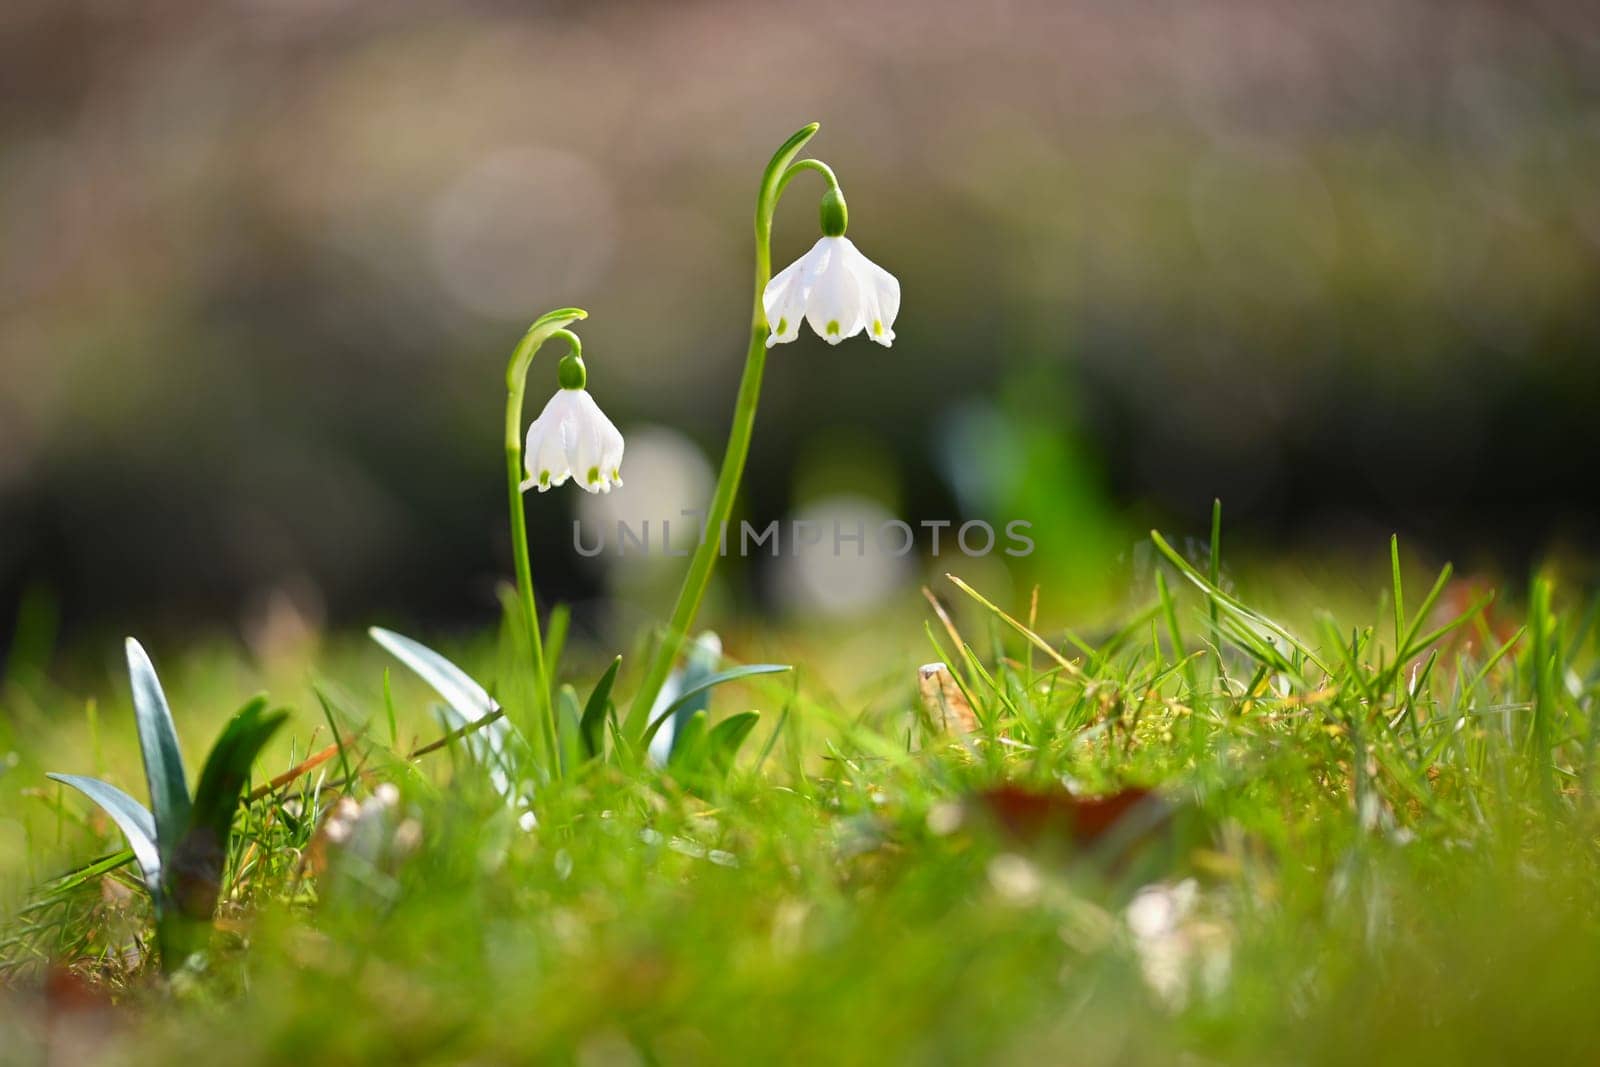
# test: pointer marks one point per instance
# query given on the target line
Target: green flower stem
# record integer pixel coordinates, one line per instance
(548, 326)
(803, 165)
(778, 174)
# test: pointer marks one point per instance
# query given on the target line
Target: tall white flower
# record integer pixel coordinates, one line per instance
(835, 288)
(572, 438)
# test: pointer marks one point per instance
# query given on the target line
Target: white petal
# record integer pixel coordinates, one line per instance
(539, 455)
(590, 425)
(530, 452)
(833, 307)
(611, 447)
(585, 452)
(545, 453)
(600, 447)
(784, 298)
(552, 460)
(871, 310)
(583, 447)
(880, 298)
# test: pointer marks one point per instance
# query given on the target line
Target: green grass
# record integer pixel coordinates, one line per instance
(1381, 830)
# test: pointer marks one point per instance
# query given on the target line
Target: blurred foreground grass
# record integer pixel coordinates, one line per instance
(1345, 855)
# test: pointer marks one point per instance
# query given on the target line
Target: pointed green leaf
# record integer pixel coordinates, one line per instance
(593, 724)
(227, 768)
(727, 737)
(705, 656)
(469, 699)
(729, 675)
(132, 818)
(701, 662)
(517, 687)
(194, 870)
(555, 640)
(687, 750)
(569, 728)
(158, 743)
(772, 178)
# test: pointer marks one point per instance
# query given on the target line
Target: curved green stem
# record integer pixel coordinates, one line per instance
(548, 326)
(778, 174)
(803, 165)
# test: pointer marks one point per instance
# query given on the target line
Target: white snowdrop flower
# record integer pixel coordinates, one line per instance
(835, 288)
(572, 438)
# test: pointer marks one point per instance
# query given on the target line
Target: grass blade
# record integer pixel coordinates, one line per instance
(1032, 638)
(1214, 575)
(332, 720)
(489, 745)
(1251, 618)
(1399, 599)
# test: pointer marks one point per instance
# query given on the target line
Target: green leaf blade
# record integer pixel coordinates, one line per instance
(465, 696)
(131, 817)
(592, 725)
(727, 737)
(687, 744)
(690, 692)
(569, 730)
(227, 768)
(194, 875)
(158, 744)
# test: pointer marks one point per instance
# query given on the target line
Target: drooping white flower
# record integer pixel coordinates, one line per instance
(572, 438)
(835, 288)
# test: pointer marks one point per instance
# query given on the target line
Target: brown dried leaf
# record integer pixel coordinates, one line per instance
(947, 706)
(1041, 816)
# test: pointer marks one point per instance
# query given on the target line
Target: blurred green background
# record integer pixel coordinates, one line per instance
(261, 265)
